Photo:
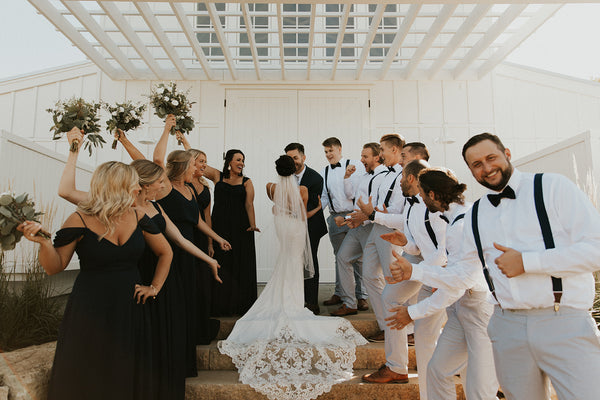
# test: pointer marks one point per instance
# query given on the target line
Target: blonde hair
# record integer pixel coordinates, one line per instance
(195, 154)
(148, 171)
(178, 162)
(110, 194)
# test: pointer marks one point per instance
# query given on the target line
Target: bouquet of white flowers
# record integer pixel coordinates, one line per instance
(123, 117)
(14, 210)
(167, 100)
(77, 112)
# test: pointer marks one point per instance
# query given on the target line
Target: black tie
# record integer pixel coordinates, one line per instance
(444, 218)
(391, 169)
(412, 200)
(508, 193)
(334, 166)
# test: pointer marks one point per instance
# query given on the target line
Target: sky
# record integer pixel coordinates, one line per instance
(564, 44)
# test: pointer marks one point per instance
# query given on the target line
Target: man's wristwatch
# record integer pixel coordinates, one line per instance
(372, 216)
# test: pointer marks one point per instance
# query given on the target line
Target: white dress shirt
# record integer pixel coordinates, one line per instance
(575, 225)
(335, 184)
(300, 174)
(397, 200)
(359, 188)
(447, 295)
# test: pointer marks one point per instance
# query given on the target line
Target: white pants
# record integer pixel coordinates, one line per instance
(534, 346)
(464, 343)
(427, 332)
(350, 251)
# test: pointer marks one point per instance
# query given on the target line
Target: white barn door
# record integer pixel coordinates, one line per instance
(262, 122)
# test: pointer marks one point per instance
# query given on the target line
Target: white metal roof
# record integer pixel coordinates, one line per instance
(282, 40)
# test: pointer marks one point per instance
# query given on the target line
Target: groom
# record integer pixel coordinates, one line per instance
(316, 224)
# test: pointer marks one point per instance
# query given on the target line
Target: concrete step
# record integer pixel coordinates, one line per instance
(364, 322)
(221, 385)
(369, 356)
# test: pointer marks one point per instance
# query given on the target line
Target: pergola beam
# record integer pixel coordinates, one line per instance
(434, 31)
(403, 30)
(119, 20)
(191, 37)
(528, 28)
(461, 34)
(311, 38)
(162, 38)
(61, 23)
(381, 1)
(216, 22)
(280, 36)
(251, 43)
(95, 30)
(340, 40)
(495, 30)
(369, 39)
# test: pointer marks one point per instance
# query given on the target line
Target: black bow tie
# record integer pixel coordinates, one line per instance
(508, 193)
(445, 218)
(334, 166)
(370, 172)
(391, 169)
(412, 200)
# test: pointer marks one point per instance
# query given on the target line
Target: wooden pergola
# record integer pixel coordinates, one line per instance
(320, 40)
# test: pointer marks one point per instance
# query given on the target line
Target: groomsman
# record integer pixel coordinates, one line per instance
(464, 342)
(424, 235)
(536, 238)
(339, 204)
(353, 245)
(317, 228)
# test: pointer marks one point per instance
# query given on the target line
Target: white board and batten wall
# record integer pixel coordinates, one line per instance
(529, 109)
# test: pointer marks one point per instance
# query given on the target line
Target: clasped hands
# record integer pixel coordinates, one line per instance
(360, 215)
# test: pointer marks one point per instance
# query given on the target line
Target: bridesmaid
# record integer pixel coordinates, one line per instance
(101, 351)
(179, 203)
(233, 218)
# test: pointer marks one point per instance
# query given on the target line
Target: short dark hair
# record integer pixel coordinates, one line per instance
(375, 148)
(414, 167)
(285, 165)
(294, 146)
(332, 141)
(393, 139)
(444, 184)
(480, 138)
(419, 149)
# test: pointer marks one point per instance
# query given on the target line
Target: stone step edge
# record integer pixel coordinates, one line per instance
(226, 385)
(371, 355)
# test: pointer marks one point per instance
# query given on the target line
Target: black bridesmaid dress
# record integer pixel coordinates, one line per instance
(238, 266)
(207, 328)
(168, 325)
(184, 214)
(104, 346)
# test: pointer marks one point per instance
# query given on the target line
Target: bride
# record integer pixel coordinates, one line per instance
(280, 348)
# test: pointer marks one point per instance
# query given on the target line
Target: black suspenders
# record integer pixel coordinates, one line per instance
(430, 231)
(388, 196)
(540, 209)
(327, 189)
(371, 181)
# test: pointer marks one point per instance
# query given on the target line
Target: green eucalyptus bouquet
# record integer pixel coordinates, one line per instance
(76, 112)
(166, 99)
(123, 117)
(14, 210)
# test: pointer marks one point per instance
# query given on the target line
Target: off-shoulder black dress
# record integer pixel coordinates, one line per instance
(168, 326)
(104, 344)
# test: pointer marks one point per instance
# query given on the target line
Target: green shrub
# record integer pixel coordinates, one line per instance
(28, 313)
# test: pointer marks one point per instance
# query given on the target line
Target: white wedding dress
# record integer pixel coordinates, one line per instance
(280, 348)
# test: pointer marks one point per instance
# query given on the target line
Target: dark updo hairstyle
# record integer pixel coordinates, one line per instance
(285, 165)
(444, 184)
(228, 157)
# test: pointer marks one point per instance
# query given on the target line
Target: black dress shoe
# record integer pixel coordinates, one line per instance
(314, 308)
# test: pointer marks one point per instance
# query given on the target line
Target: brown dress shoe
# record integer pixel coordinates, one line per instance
(410, 338)
(344, 310)
(362, 305)
(334, 300)
(377, 338)
(385, 375)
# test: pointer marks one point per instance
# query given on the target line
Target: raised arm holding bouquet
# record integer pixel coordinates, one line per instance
(76, 112)
(123, 117)
(14, 210)
(166, 101)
